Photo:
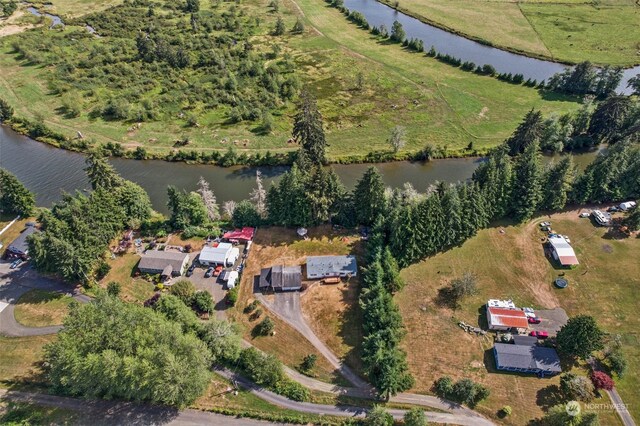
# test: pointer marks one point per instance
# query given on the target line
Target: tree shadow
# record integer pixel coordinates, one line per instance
(548, 397)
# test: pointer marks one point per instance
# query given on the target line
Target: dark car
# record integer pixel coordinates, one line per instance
(613, 209)
(191, 269)
(209, 272)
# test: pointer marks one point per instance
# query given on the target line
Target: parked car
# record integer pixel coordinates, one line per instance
(543, 224)
(534, 320)
(584, 214)
(191, 269)
(217, 271)
(209, 272)
(15, 263)
(529, 312)
(539, 334)
(613, 209)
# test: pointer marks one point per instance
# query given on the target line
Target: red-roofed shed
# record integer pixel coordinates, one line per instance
(244, 234)
(505, 319)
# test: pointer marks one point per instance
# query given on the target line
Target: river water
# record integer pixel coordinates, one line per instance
(463, 48)
(48, 171)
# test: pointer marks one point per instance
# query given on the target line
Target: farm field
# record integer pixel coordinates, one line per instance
(511, 265)
(438, 104)
(566, 31)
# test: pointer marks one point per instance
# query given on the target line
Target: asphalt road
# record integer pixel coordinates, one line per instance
(102, 412)
(13, 284)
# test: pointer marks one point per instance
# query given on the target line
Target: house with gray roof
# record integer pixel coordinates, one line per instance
(20, 247)
(527, 358)
(331, 266)
(165, 263)
(281, 278)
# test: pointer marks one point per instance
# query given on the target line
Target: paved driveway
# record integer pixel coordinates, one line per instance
(552, 320)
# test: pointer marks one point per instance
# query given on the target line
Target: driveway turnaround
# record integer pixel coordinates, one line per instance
(16, 282)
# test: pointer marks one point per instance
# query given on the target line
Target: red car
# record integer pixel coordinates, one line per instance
(217, 271)
(539, 334)
(533, 320)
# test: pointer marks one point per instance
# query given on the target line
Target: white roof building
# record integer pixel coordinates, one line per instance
(562, 251)
(223, 254)
(627, 205)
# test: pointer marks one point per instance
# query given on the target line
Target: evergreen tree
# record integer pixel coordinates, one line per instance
(529, 131)
(608, 120)
(287, 201)
(527, 194)
(245, 214)
(279, 28)
(187, 209)
(369, 197)
(298, 28)
(397, 32)
(308, 131)
(580, 337)
(633, 84)
(632, 219)
(495, 177)
(391, 272)
(558, 180)
(101, 174)
(323, 189)
(15, 198)
(6, 111)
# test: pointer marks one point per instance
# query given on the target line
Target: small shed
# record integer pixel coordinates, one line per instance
(331, 266)
(222, 254)
(627, 205)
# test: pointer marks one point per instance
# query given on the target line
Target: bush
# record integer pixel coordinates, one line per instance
(251, 307)
(292, 390)
(263, 369)
(113, 288)
(102, 270)
(506, 410)
(601, 380)
(415, 417)
(378, 416)
(232, 296)
(443, 386)
(265, 327)
(245, 214)
(184, 290)
(576, 387)
(617, 363)
(203, 301)
(308, 362)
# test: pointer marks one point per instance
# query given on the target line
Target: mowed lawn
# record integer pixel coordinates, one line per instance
(132, 289)
(605, 32)
(438, 104)
(511, 265)
(39, 308)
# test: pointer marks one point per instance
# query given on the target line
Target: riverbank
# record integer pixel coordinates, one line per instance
(507, 25)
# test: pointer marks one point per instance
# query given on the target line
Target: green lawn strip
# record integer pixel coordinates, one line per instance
(39, 308)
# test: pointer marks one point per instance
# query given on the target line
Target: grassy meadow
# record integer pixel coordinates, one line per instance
(603, 32)
(438, 104)
(512, 265)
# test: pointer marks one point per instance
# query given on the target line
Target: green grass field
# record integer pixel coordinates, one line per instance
(39, 308)
(437, 104)
(603, 32)
(511, 265)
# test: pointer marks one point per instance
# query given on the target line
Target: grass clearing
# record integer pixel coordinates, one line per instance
(567, 31)
(19, 358)
(33, 414)
(511, 265)
(436, 103)
(133, 289)
(39, 308)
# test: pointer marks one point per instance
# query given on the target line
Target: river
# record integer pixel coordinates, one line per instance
(48, 171)
(463, 48)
